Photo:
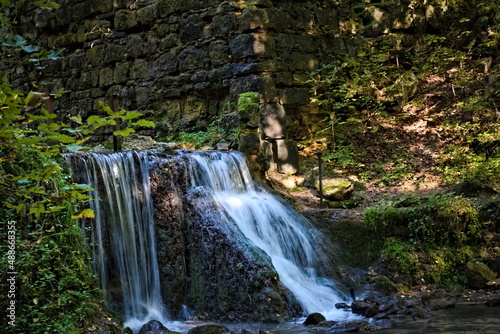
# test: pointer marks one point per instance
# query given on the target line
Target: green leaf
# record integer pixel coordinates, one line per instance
(73, 130)
(55, 208)
(93, 119)
(104, 107)
(75, 148)
(76, 119)
(37, 209)
(143, 122)
(124, 132)
(47, 4)
(47, 173)
(18, 207)
(18, 40)
(33, 98)
(131, 115)
(30, 48)
(54, 55)
(61, 92)
(85, 213)
(61, 138)
(83, 186)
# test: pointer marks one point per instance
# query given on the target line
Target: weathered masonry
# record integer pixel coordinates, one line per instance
(187, 61)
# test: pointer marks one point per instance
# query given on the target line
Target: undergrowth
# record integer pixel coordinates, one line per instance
(428, 241)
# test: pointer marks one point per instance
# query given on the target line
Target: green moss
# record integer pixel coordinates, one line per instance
(248, 104)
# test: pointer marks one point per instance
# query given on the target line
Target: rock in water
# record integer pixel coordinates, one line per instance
(153, 327)
(210, 329)
(360, 306)
(314, 319)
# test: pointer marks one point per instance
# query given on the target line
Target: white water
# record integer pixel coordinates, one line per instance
(270, 225)
(124, 217)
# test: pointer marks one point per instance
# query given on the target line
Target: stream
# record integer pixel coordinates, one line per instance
(462, 319)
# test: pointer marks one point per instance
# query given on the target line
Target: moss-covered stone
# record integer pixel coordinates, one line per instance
(336, 189)
(248, 106)
(478, 274)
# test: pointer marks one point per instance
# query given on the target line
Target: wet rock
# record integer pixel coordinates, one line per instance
(341, 305)
(493, 302)
(348, 327)
(210, 329)
(381, 324)
(439, 304)
(314, 319)
(478, 275)
(153, 327)
(327, 323)
(360, 306)
(372, 311)
(382, 307)
(417, 312)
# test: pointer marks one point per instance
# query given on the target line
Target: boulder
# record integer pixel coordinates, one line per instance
(153, 327)
(360, 306)
(137, 143)
(336, 189)
(383, 285)
(209, 329)
(439, 304)
(341, 306)
(478, 275)
(314, 319)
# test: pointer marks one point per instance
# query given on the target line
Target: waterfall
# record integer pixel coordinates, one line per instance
(122, 235)
(219, 189)
(270, 225)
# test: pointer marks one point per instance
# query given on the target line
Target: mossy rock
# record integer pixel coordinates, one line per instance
(346, 204)
(248, 107)
(336, 189)
(478, 274)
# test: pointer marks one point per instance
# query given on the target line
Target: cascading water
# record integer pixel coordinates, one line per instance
(268, 223)
(123, 232)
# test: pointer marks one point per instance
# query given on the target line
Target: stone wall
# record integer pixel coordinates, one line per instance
(184, 62)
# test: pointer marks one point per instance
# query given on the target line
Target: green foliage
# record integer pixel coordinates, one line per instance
(57, 290)
(215, 132)
(428, 240)
(200, 139)
(440, 220)
(369, 95)
(27, 190)
(401, 255)
(412, 265)
(248, 101)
